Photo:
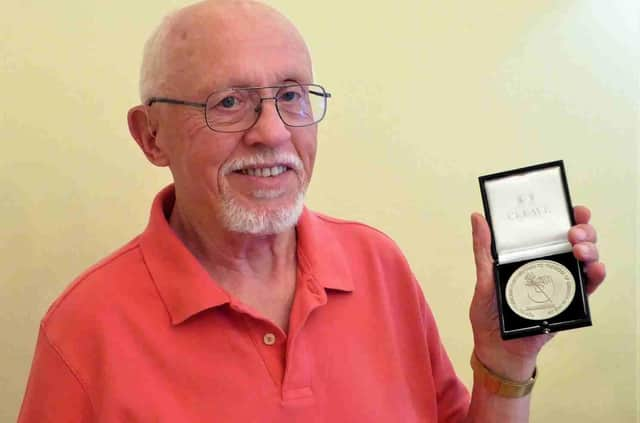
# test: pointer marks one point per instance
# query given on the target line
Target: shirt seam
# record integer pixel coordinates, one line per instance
(74, 372)
(87, 275)
(157, 289)
(354, 223)
(346, 222)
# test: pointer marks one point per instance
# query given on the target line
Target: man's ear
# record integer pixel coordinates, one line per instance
(143, 130)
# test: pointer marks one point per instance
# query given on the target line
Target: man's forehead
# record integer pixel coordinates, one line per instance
(228, 20)
(231, 45)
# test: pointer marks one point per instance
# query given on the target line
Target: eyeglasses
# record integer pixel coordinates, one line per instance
(238, 109)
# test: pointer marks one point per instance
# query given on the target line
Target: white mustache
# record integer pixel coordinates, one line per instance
(263, 159)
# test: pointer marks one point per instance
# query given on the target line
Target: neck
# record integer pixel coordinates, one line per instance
(229, 256)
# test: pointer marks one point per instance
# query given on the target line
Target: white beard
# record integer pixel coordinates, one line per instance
(237, 218)
(256, 220)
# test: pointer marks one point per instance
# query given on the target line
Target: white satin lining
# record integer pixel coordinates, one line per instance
(529, 215)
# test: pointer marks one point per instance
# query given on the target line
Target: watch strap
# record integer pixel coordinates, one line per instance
(499, 385)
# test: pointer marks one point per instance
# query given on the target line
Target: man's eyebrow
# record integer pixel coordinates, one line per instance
(243, 83)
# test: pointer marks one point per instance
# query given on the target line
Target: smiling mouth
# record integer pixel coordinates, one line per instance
(263, 172)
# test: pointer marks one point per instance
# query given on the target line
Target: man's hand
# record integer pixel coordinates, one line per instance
(516, 359)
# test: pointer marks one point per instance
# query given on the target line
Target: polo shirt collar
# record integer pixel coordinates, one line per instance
(186, 288)
(182, 282)
(320, 255)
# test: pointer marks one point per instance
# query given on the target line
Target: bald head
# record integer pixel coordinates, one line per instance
(196, 43)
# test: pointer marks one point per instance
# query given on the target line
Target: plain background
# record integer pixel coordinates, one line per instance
(427, 96)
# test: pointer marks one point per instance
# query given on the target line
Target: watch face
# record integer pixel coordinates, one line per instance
(540, 289)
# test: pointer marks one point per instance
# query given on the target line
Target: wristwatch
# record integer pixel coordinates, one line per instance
(499, 385)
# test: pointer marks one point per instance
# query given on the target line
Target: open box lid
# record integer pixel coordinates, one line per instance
(529, 211)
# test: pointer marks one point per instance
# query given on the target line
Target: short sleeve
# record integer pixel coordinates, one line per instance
(452, 396)
(54, 393)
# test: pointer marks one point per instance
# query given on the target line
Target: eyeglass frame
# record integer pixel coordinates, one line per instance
(258, 109)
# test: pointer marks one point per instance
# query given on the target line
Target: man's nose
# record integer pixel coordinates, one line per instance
(269, 129)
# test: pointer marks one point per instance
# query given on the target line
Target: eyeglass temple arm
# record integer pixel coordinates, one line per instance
(324, 94)
(173, 101)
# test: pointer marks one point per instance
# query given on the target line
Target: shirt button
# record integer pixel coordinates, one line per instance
(269, 339)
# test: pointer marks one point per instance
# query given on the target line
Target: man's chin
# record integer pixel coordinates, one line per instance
(261, 219)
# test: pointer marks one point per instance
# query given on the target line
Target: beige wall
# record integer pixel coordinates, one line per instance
(427, 96)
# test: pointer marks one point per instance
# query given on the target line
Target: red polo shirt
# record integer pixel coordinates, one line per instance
(147, 336)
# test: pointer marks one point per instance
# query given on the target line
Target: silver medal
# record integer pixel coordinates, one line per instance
(540, 289)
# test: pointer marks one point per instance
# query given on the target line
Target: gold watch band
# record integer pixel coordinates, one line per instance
(499, 385)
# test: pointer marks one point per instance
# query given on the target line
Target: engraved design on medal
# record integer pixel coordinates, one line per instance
(540, 289)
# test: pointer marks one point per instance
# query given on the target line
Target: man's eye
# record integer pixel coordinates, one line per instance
(228, 102)
(289, 96)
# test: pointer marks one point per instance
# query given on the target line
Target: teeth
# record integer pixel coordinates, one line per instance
(264, 172)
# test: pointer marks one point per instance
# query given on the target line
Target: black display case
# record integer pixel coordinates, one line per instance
(540, 285)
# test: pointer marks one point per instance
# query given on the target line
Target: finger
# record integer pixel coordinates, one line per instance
(596, 273)
(582, 232)
(586, 251)
(581, 214)
(482, 251)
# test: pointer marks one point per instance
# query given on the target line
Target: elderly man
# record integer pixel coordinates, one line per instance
(237, 304)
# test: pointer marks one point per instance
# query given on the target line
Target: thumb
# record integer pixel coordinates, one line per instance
(482, 253)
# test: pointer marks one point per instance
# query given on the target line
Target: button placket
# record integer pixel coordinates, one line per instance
(297, 379)
(270, 344)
